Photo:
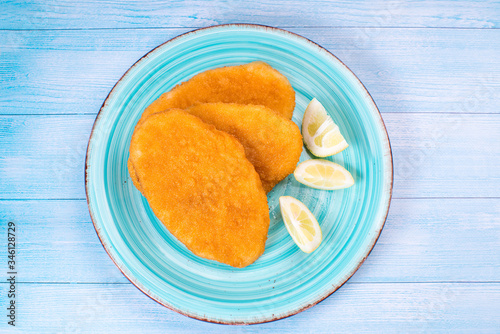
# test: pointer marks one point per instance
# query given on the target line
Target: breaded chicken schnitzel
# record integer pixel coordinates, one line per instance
(199, 183)
(253, 83)
(272, 143)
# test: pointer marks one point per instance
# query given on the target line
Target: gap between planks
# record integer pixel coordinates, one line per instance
(398, 198)
(381, 112)
(278, 26)
(353, 283)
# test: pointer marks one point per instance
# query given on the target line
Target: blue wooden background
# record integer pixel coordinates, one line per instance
(433, 68)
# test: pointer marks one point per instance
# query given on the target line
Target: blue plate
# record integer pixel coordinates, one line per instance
(284, 281)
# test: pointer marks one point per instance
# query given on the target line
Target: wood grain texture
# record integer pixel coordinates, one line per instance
(433, 68)
(424, 240)
(405, 70)
(440, 239)
(363, 308)
(290, 13)
(56, 242)
(445, 155)
(43, 156)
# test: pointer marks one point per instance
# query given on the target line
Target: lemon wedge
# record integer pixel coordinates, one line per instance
(323, 174)
(300, 223)
(321, 135)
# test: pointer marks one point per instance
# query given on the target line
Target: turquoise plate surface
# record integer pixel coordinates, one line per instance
(284, 280)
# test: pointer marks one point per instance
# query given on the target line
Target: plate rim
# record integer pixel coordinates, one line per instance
(385, 183)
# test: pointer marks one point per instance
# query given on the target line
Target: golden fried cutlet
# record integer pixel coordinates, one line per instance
(272, 143)
(199, 183)
(252, 83)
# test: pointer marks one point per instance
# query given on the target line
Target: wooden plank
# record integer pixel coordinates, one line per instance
(445, 155)
(439, 239)
(424, 240)
(43, 156)
(72, 73)
(68, 72)
(422, 70)
(197, 13)
(435, 155)
(56, 242)
(367, 308)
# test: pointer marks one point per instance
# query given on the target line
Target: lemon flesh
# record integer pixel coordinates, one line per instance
(321, 135)
(323, 174)
(300, 223)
